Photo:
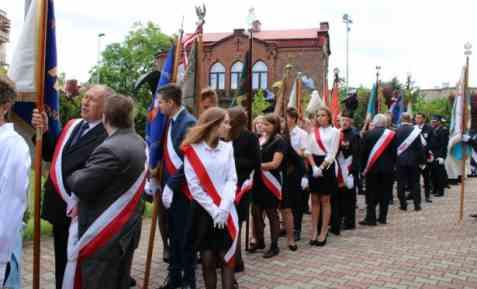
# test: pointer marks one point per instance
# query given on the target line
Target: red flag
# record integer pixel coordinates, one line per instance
(334, 103)
(326, 93)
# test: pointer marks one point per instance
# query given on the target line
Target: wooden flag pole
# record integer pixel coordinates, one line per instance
(40, 91)
(464, 147)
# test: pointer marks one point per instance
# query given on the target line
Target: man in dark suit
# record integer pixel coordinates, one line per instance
(79, 143)
(438, 142)
(110, 184)
(426, 131)
(410, 157)
(175, 195)
(378, 156)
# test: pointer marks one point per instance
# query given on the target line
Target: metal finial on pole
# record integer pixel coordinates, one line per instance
(347, 20)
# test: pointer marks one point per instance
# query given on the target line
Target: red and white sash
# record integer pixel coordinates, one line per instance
(172, 161)
(245, 188)
(103, 229)
(208, 186)
(319, 142)
(56, 174)
(415, 133)
(378, 148)
(272, 184)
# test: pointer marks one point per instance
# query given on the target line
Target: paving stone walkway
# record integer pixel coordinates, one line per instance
(426, 249)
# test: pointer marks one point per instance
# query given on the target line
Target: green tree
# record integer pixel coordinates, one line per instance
(441, 106)
(123, 63)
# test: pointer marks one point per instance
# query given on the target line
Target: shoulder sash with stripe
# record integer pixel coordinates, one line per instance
(172, 160)
(244, 189)
(56, 174)
(378, 148)
(208, 186)
(272, 183)
(100, 232)
(415, 133)
(319, 141)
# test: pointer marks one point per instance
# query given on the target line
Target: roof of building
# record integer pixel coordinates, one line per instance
(310, 33)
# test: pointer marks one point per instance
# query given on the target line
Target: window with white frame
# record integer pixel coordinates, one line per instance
(235, 75)
(259, 75)
(217, 76)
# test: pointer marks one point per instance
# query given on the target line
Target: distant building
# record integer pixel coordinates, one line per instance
(444, 92)
(307, 50)
(4, 32)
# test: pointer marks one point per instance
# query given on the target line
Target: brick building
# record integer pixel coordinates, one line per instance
(307, 50)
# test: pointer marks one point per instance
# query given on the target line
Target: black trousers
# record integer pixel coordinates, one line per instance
(182, 254)
(439, 177)
(408, 177)
(296, 196)
(379, 188)
(426, 177)
(336, 200)
(348, 208)
(60, 244)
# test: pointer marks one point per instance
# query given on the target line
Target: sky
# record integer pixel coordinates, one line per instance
(423, 38)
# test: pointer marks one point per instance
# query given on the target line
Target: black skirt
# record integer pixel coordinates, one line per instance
(206, 237)
(262, 197)
(292, 193)
(326, 184)
(243, 207)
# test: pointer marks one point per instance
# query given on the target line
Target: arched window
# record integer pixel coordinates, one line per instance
(259, 75)
(217, 76)
(235, 75)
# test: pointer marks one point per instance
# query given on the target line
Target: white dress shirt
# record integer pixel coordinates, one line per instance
(15, 165)
(330, 137)
(298, 138)
(220, 165)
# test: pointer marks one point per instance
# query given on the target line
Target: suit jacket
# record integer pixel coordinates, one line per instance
(351, 136)
(110, 171)
(438, 142)
(179, 128)
(74, 158)
(385, 163)
(246, 154)
(414, 155)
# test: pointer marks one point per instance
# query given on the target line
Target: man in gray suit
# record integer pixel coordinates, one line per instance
(109, 190)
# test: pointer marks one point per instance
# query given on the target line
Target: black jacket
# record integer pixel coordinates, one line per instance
(414, 155)
(438, 141)
(386, 162)
(246, 154)
(74, 158)
(350, 145)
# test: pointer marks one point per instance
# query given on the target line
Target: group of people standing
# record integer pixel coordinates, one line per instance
(216, 174)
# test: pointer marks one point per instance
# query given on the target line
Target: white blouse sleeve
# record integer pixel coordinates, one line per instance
(230, 188)
(198, 194)
(335, 143)
(309, 144)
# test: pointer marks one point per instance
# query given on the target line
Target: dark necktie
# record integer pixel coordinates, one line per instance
(83, 127)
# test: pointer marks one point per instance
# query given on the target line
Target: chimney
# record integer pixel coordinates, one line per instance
(239, 31)
(324, 26)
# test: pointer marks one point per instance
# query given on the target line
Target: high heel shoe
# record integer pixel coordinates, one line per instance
(322, 243)
(273, 251)
(293, 247)
(256, 246)
(313, 242)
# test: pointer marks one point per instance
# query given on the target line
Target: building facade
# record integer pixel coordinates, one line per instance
(4, 32)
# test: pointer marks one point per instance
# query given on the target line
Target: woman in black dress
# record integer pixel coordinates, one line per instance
(267, 191)
(321, 149)
(247, 161)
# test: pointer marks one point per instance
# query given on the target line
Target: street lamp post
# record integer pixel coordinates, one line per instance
(347, 20)
(100, 35)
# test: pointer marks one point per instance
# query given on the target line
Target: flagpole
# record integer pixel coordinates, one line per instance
(40, 91)
(468, 52)
(298, 96)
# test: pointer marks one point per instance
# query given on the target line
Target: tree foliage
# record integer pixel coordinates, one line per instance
(123, 63)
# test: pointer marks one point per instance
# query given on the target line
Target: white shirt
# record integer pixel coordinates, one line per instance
(220, 165)
(91, 125)
(330, 137)
(174, 117)
(15, 166)
(298, 139)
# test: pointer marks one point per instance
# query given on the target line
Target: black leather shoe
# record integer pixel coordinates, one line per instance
(272, 252)
(428, 201)
(367, 223)
(417, 209)
(188, 286)
(473, 215)
(256, 246)
(403, 208)
(293, 247)
(322, 243)
(349, 227)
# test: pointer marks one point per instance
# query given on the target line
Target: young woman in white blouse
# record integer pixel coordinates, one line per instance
(321, 149)
(209, 168)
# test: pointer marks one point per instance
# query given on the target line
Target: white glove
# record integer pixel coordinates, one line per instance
(317, 172)
(465, 138)
(440, 161)
(422, 167)
(167, 195)
(72, 206)
(220, 218)
(349, 182)
(151, 187)
(304, 183)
